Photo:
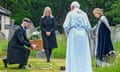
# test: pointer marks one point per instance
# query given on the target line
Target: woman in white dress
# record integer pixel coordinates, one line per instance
(76, 26)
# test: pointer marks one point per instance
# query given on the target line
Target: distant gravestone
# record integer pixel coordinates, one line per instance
(92, 42)
(115, 33)
(57, 32)
(2, 36)
(40, 54)
(11, 28)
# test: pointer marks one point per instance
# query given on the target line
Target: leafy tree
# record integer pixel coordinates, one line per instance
(34, 9)
(114, 13)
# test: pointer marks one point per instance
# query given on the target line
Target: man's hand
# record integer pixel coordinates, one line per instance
(33, 46)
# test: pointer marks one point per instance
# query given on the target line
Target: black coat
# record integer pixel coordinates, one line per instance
(104, 41)
(47, 24)
(17, 53)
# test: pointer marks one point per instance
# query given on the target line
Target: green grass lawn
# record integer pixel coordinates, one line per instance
(38, 65)
(58, 59)
(3, 46)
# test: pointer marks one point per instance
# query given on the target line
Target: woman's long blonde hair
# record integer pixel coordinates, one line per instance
(45, 9)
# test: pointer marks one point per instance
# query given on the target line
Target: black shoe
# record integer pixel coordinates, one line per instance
(62, 68)
(48, 61)
(5, 63)
(21, 66)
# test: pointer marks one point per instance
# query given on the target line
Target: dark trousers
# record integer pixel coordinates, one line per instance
(48, 52)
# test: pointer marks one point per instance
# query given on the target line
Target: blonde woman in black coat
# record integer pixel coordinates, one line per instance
(47, 24)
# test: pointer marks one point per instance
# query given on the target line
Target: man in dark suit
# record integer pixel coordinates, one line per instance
(17, 53)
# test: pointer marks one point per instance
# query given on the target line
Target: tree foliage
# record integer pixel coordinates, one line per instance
(34, 9)
(114, 13)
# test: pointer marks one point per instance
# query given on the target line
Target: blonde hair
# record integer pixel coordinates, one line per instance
(98, 11)
(45, 9)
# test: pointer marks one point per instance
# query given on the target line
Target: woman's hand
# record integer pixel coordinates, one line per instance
(48, 33)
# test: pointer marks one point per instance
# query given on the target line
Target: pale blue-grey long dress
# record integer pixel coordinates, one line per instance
(78, 57)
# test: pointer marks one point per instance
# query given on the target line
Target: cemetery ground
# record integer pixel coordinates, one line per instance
(57, 60)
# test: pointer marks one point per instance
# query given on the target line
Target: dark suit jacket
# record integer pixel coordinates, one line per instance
(17, 53)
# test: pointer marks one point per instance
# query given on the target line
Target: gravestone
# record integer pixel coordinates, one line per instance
(2, 36)
(11, 27)
(115, 33)
(57, 32)
(40, 54)
(92, 42)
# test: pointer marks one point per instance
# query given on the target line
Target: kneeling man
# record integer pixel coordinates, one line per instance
(17, 53)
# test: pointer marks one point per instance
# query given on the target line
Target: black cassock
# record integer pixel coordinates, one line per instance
(17, 53)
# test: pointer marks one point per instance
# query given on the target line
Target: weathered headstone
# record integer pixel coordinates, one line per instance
(57, 32)
(40, 54)
(11, 28)
(2, 36)
(115, 33)
(92, 42)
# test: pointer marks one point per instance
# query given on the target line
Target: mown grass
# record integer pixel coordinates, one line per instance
(116, 46)
(40, 65)
(58, 59)
(3, 47)
(37, 65)
(114, 67)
